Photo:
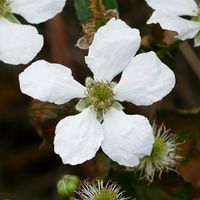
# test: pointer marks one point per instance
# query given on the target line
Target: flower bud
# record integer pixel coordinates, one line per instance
(67, 185)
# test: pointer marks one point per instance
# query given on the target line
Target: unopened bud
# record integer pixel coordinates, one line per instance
(68, 185)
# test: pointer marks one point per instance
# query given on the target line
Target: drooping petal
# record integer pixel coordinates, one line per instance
(50, 82)
(78, 137)
(127, 138)
(112, 49)
(145, 81)
(174, 7)
(37, 11)
(186, 29)
(19, 44)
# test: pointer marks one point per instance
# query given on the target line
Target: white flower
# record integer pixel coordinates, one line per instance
(167, 13)
(19, 44)
(145, 80)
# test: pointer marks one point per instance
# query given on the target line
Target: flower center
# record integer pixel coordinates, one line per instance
(159, 148)
(105, 194)
(101, 96)
(3, 7)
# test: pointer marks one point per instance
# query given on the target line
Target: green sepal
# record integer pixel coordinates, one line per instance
(197, 40)
(113, 84)
(196, 19)
(88, 81)
(100, 116)
(83, 11)
(117, 106)
(9, 16)
(83, 104)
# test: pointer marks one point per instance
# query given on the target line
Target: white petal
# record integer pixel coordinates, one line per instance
(127, 138)
(186, 29)
(112, 49)
(78, 137)
(37, 11)
(174, 7)
(145, 81)
(50, 82)
(19, 44)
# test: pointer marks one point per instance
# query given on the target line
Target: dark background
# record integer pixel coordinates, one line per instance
(29, 169)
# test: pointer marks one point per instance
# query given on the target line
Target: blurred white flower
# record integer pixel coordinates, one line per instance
(168, 14)
(145, 80)
(19, 44)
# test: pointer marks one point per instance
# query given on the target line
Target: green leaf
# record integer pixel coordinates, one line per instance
(83, 10)
(197, 40)
(110, 4)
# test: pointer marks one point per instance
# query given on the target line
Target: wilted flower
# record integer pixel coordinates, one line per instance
(167, 13)
(164, 155)
(92, 25)
(98, 191)
(19, 43)
(145, 80)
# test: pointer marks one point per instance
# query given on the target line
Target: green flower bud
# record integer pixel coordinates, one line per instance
(68, 185)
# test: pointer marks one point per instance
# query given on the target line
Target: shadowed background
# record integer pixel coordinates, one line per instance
(29, 169)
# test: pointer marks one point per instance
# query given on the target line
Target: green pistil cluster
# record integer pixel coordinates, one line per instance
(100, 96)
(159, 148)
(105, 194)
(3, 7)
